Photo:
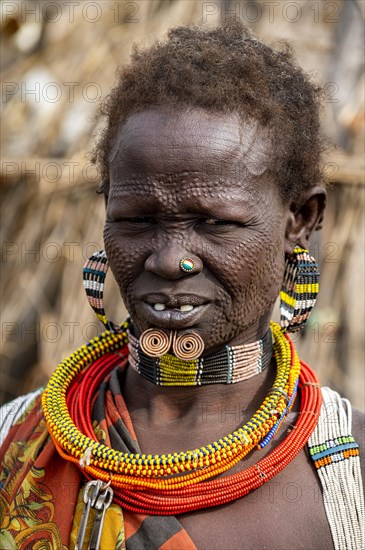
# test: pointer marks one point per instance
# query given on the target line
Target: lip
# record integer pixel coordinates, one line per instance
(172, 319)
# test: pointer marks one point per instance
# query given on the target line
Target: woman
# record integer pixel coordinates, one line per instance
(211, 169)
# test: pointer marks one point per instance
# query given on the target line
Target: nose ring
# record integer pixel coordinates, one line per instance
(187, 265)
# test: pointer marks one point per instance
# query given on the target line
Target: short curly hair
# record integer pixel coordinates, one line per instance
(225, 70)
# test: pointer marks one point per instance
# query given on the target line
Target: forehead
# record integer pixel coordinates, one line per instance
(167, 142)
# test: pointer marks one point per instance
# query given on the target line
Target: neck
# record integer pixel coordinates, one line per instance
(193, 414)
(158, 407)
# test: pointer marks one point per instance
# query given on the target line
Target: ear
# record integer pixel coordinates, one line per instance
(305, 216)
(103, 189)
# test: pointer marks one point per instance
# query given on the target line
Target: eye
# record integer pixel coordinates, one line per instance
(213, 221)
(135, 220)
(217, 222)
(139, 219)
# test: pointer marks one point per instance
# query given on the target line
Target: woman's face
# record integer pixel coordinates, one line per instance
(196, 185)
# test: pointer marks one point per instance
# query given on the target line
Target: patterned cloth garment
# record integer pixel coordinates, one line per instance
(41, 493)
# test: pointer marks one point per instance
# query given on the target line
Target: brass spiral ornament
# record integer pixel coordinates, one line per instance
(188, 345)
(155, 342)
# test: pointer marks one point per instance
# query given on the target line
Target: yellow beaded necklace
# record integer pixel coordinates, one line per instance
(156, 470)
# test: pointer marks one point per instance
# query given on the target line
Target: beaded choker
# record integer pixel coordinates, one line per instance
(227, 366)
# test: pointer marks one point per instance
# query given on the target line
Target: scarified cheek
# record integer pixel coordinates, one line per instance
(124, 262)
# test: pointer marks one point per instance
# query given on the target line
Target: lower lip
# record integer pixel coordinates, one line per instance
(172, 319)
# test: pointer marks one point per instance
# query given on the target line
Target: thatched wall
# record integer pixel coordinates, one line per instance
(56, 66)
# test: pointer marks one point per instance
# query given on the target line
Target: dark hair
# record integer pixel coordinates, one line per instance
(225, 70)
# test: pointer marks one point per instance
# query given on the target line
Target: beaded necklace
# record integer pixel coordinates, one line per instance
(172, 483)
(229, 365)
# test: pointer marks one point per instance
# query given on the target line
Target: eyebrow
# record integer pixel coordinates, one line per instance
(142, 201)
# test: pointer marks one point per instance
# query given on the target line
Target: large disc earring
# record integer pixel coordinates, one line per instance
(188, 345)
(299, 291)
(94, 273)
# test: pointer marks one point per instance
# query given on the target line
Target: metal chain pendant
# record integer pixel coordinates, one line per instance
(97, 496)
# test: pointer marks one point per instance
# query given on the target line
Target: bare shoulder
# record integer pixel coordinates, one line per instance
(358, 431)
(358, 427)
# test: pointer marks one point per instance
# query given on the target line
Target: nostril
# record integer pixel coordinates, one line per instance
(149, 263)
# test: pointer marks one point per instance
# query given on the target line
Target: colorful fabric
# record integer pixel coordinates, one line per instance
(41, 494)
(10, 412)
(39, 490)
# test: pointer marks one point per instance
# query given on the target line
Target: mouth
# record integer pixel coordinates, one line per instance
(172, 312)
(163, 307)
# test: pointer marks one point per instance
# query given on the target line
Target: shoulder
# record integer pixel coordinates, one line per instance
(335, 448)
(339, 434)
(13, 411)
(358, 431)
(358, 418)
(338, 410)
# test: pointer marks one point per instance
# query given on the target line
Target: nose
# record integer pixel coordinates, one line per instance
(166, 263)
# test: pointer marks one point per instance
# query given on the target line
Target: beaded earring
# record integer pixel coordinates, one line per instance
(299, 291)
(94, 273)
